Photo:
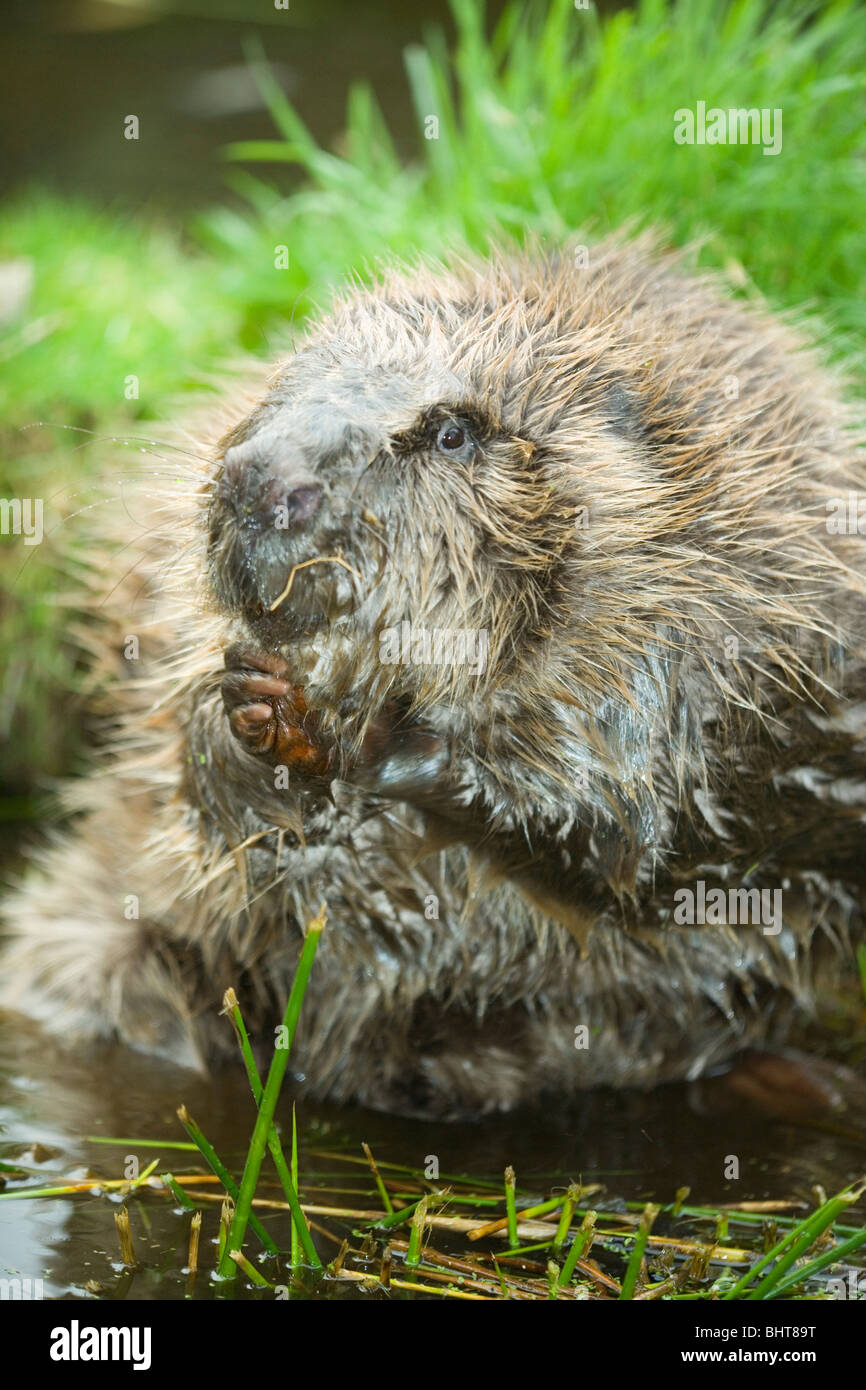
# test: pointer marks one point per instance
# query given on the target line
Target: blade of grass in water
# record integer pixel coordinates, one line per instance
(510, 1207)
(830, 1257)
(226, 1211)
(168, 1179)
(300, 1229)
(383, 1191)
(296, 1239)
(809, 1231)
(217, 1166)
(144, 1143)
(243, 1210)
(416, 1233)
(581, 1242)
(396, 1218)
(799, 1238)
(253, 1274)
(565, 1219)
(638, 1249)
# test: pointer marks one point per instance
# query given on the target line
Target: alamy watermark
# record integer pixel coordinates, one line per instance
(411, 645)
(738, 125)
(77, 1343)
(24, 1289)
(22, 516)
(855, 1288)
(846, 516)
(700, 906)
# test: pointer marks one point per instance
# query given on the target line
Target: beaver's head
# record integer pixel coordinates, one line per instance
(428, 464)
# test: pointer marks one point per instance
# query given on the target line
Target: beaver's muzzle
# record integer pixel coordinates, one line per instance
(268, 489)
(270, 518)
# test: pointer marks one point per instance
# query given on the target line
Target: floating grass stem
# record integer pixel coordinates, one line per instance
(396, 1218)
(526, 1214)
(143, 1143)
(143, 1175)
(254, 1275)
(178, 1192)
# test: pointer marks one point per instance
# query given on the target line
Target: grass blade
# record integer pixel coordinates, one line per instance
(243, 1210)
(300, 1230)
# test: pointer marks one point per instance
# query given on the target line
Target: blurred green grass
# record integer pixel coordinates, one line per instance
(552, 123)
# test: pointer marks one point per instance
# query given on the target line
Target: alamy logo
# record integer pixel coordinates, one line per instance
(699, 906)
(22, 516)
(408, 645)
(739, 125)
(855, 1288)
(846, 516)
(76, 1343)
(25, 1289)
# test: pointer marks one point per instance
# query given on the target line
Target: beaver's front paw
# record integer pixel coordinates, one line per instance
(268, 714)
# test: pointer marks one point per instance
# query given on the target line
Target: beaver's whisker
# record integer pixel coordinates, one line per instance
(130, 441)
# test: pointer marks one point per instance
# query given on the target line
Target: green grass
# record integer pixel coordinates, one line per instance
(553, 123)
(560, 122)
(111, 297)
(266, 1097)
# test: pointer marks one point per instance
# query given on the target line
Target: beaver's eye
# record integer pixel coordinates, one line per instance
(451, 436)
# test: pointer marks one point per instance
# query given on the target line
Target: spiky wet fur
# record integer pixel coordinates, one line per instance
(619, 744)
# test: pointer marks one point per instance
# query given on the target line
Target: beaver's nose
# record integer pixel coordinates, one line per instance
(290, 506)
(262, 496)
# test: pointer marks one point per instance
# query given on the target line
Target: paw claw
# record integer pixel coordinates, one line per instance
(254, 726)
(267, 714)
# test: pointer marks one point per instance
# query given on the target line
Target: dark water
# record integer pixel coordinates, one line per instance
(71, 72)
(640, 1147)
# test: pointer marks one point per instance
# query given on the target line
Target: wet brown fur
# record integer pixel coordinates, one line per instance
(618, 745)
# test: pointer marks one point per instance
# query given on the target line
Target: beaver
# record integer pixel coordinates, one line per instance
(519, 617)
